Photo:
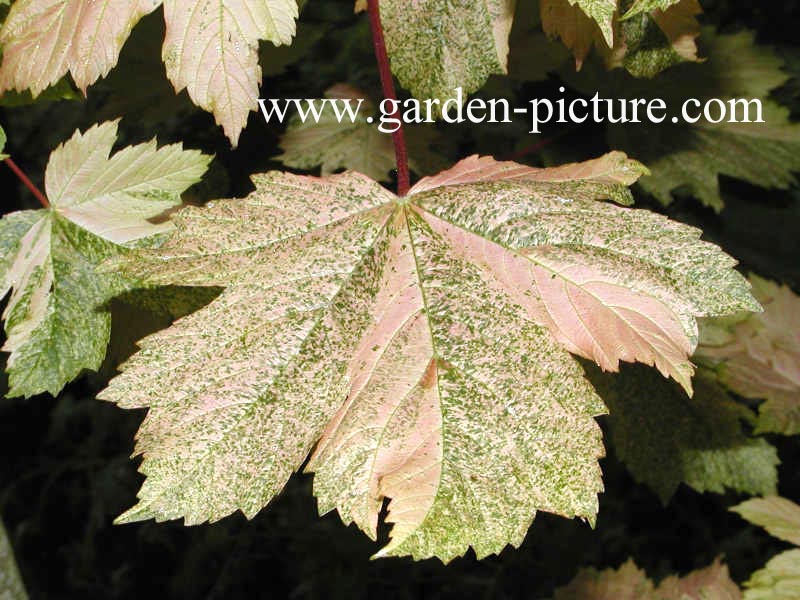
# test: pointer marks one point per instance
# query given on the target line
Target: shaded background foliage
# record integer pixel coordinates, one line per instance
(65, 471)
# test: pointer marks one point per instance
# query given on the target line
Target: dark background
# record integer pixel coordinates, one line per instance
(65, 470)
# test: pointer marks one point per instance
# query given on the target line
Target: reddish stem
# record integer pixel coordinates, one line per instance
(28, 183)
(398, 137)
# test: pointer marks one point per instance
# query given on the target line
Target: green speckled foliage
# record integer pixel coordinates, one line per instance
(56, 320)
(416, 347)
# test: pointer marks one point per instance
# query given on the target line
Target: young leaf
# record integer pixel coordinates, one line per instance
(210, 48)
(55, 321)
(758, 355)
(335, 143)
(418, 345)
(631, 583)
(780, 578)
(666, 438)
(438, 45)
(42, 40)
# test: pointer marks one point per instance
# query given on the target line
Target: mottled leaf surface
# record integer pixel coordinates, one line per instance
(758, 355)
(210, 48)
(55, 322)
(43, 40)
(436, 46)
(417, 347)
(665, 438)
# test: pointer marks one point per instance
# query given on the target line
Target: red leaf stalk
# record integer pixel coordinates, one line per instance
(398, 137)
(28, 183)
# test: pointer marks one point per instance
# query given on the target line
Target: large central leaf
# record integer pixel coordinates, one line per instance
(419, 346)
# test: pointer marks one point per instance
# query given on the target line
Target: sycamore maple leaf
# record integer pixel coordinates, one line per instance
(418, 345)
(55, 321)
(780, 577)
(758, 355)
(210, 48)
(652, 36)
(438, 45)
(631, 583)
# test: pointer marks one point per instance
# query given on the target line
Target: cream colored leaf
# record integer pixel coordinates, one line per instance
(779, 516)
(211, 50)
(43, 40)
(408, 345)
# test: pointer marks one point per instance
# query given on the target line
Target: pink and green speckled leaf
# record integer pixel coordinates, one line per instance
(418, 348)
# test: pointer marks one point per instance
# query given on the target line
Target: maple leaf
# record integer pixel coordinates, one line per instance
(758, 355)
(334, 143)
(690, 157)
(665, 438)
(780, 577)
(55, 321)
(418, 345)
(649, 42)
(210, 48)
(440, 45)
(44, 39)
(2, 144)
(580, 24)
(631, 583)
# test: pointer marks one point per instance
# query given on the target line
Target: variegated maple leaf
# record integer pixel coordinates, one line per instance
(210, 48)
(651, 36)
(418, 347)
(438, 45)
(758, 355)
(55, 320)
